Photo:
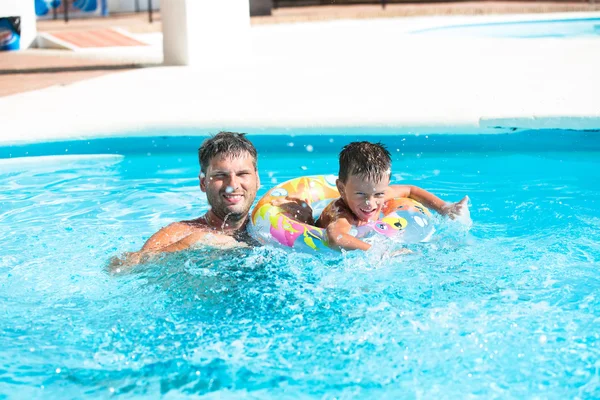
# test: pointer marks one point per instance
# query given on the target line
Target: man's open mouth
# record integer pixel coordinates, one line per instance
(233, 198)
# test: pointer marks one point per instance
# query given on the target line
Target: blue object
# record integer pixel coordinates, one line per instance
(43, 7)
(10, 33)
(86, 5)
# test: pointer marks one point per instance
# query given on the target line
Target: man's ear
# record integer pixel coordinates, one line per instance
(340, 187)
(202, 181)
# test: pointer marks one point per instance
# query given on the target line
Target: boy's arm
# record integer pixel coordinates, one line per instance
(338, 236)
(428, 199)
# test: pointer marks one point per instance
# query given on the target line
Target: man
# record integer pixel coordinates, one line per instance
(229, 177)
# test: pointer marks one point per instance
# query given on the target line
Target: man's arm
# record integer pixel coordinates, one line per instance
(174, 237)
(168, 239)
(428, 199)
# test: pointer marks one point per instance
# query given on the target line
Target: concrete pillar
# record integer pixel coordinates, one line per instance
(261, 7)
(26, 11)
(197, 32)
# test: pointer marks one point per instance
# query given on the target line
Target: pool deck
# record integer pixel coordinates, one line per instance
(354, 74)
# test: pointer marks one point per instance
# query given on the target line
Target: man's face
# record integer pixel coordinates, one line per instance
(364, 197)
(230, 184)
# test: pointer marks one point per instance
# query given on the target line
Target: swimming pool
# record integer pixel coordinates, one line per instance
(508, 309)
(548, 28)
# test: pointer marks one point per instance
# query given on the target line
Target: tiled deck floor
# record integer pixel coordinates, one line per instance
(36, 69)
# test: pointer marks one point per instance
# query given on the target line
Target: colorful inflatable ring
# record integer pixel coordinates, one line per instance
(272, 225)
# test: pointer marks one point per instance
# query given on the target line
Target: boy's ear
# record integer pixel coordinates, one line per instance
(340, 187)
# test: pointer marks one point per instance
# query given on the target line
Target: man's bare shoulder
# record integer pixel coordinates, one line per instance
(174, 233)
(193, 225)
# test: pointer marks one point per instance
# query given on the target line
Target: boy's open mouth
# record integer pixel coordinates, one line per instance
(368, 212)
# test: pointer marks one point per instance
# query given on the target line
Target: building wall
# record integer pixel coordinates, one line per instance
(116, 6)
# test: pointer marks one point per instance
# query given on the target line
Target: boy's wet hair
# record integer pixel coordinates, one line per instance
(368, 160)
(230, 144)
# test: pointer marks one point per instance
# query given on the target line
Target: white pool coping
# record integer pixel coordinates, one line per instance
(337, 74)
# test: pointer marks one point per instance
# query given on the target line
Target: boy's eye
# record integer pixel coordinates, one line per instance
(378, 195)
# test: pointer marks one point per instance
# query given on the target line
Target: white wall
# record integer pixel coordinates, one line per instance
(116, 6)
(26, 10)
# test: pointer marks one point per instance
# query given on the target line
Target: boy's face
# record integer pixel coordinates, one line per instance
(365, 198)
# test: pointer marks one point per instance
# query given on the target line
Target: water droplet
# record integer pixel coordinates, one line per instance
(309, 148)
(228, 189)
(58, 370)
(290, 144)
(303, 168)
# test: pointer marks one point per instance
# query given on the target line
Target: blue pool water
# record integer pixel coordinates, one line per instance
(510, 309)
(559, 28)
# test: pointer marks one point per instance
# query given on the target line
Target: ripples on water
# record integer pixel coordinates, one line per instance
(507, 310)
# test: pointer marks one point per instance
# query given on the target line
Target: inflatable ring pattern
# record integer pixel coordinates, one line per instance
(270, 224)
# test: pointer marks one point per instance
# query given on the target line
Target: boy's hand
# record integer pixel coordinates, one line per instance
(453, 210)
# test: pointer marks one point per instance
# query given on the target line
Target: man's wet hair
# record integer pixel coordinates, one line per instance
(368, 160)
(230, 144)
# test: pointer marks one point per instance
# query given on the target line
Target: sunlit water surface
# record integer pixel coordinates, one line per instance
(510, 309)
(571, 28)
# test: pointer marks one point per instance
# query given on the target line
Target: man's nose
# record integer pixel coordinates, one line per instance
(233, 181)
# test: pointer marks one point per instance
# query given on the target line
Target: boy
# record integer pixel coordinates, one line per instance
(363, 183)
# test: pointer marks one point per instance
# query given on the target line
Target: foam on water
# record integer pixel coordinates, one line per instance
(507, 309)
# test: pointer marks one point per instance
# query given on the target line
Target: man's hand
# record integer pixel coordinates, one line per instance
(126, 260)
(296, 208)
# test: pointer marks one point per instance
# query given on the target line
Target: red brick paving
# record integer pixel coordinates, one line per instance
(37, 69)
(19, 83)
(96, 38)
